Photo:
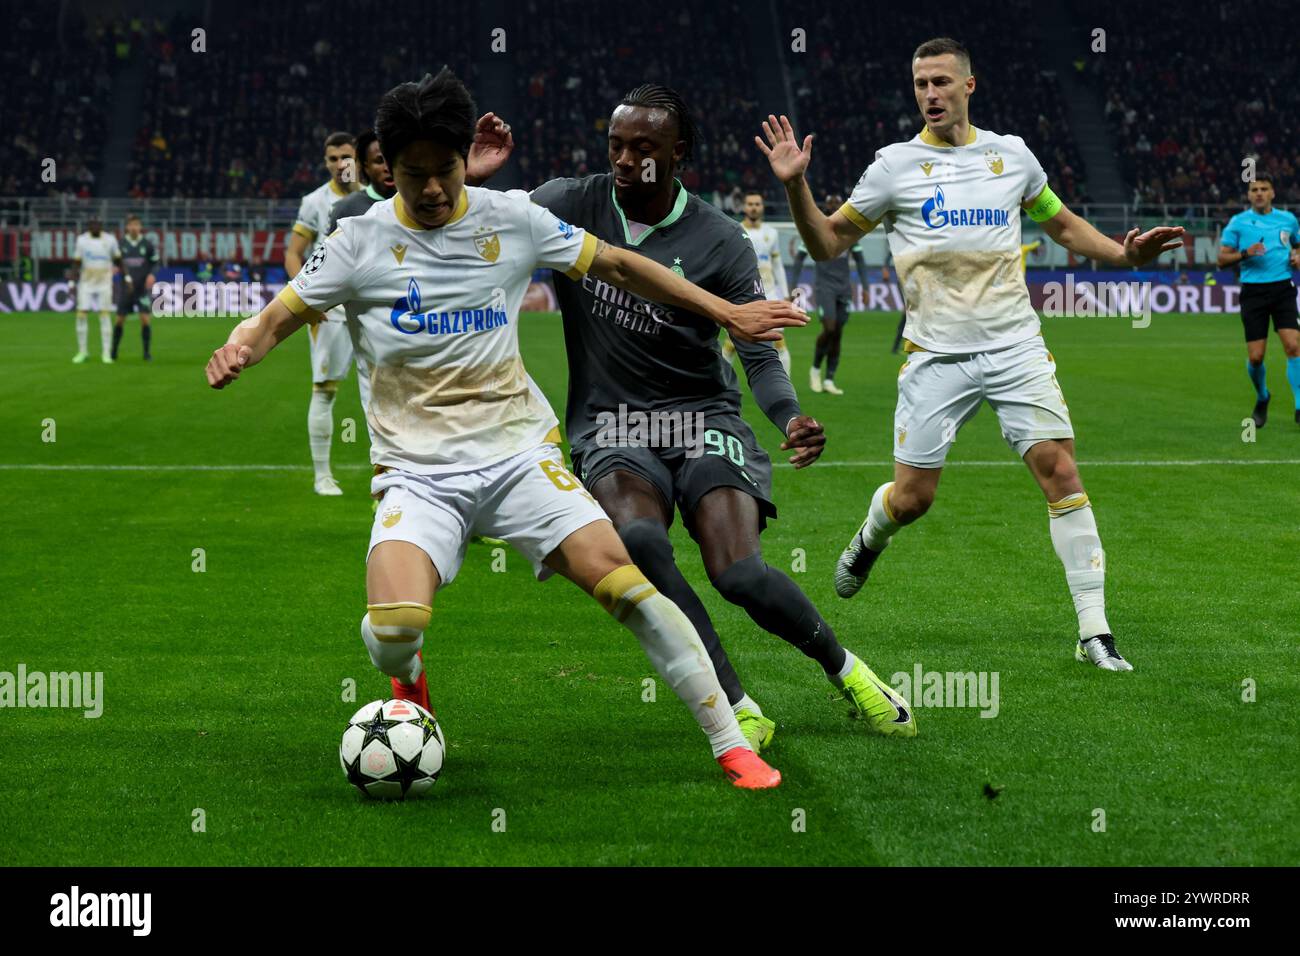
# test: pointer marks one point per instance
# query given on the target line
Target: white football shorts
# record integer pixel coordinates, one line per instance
(530, 499)
(331, 348)
(95, 297)
(938, 393)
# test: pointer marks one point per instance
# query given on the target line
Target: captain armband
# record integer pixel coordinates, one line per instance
(1045, 206)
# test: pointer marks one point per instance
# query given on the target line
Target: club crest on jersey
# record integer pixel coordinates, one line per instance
(391, 515)
(677, 267)
(488, 246)
(994, 161)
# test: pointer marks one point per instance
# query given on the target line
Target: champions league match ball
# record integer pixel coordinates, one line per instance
(392, 749)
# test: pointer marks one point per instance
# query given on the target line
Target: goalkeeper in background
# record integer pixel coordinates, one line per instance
(139, 259)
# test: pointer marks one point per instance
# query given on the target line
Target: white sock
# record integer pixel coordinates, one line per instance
(320, 429)
(106, 334)
(82, 334)
(880, 526)
(746, 703)
(849, 661)
(783, 353)
(675, 649)
(397, 653)
(1078, 545)
(363, 383)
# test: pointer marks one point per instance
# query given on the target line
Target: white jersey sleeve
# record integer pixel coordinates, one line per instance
(872, 197)
(304, 223)
(76, 249)
(114, 250)
(557, 244)
(329, 276)
(782, 287)
(1035, 177)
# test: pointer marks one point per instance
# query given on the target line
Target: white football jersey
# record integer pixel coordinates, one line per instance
(952, 218)
(314, 212)
(96, 255)
(435, 314)
(767, 246)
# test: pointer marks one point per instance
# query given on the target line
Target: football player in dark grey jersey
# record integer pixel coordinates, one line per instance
(653, 414)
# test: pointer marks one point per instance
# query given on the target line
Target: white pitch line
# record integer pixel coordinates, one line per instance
(1006, 463)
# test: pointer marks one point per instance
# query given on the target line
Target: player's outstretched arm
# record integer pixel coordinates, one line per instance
(825, 236)
(1082, 238)
(759, 321)
(251, 340)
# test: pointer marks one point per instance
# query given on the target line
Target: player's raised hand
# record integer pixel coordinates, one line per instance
(807, 437)
(493, 143)
(788, 159)
(226, 364)
(763, 320)
(1144, 248)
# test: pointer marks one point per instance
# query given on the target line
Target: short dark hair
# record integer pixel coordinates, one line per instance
(438, 108)
(941, 45)
(1262, 178)
(132, 217)
(339, 139)
(654, 96)
(363, 141)
(754, 192)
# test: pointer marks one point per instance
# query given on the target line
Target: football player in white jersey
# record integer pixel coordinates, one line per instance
(431, 282)
(95, 254)
(767, 246)
(330, 348)
(950, 199)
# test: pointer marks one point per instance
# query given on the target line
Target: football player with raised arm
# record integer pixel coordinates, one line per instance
(951, 199)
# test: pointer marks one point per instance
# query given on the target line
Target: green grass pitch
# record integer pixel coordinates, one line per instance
(223, 690)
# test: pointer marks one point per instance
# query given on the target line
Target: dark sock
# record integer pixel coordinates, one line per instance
(833, 353)
(647, 542)
(117, 337)
(146, 333)
(819, 351)
(777, 605)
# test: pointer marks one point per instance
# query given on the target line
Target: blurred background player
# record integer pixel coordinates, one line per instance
(374, 177)
(833, 294)
(1262, 240)
(767, 246)
(331, 348)
(93, 257)
(973, 335)
(139, 257)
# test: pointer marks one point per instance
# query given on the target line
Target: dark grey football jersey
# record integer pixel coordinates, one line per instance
(353, 204)
(625, 350)
(138, 258)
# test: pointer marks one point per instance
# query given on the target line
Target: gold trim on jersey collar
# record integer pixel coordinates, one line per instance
(409, 221)
(930, 139)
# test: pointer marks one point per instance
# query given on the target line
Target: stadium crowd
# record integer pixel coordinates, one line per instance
(244, 119)
(1181, 128)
